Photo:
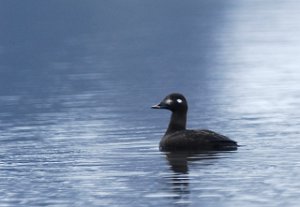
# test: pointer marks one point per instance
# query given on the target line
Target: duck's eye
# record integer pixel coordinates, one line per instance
(179, 100)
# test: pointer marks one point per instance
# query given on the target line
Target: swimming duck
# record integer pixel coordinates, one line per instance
(177, 137)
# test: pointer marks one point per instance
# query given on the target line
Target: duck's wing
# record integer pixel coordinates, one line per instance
(197, 140)
(207, 136)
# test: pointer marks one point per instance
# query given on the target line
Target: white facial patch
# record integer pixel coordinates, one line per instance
(179, 100)
(168, 101)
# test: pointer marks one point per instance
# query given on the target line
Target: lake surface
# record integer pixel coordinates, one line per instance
(77, 79)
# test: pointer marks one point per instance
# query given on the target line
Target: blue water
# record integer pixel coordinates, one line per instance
(77, 79)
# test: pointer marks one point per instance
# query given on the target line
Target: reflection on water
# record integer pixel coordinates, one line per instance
(78, 79)
(179, 164)
(179, 160)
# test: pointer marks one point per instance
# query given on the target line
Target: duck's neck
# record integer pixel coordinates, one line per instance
(177, 122)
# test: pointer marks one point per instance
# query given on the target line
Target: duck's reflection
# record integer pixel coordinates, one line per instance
(178, 161)
(179, 164)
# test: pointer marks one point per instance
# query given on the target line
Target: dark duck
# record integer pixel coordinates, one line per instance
(178, 138)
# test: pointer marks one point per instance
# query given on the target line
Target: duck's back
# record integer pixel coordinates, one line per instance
(196, 140)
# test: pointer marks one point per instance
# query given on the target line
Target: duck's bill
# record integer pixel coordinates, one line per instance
(159, 106)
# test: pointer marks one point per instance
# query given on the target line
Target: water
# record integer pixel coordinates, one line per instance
(78, 79)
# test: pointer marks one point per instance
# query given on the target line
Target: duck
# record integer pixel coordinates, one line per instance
(178, 138)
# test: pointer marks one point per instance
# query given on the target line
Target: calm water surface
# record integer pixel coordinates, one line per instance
(78, 79)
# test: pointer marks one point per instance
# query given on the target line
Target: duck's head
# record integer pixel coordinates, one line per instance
(174, 102)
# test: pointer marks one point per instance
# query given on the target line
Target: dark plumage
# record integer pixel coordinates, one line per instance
(177, 137)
